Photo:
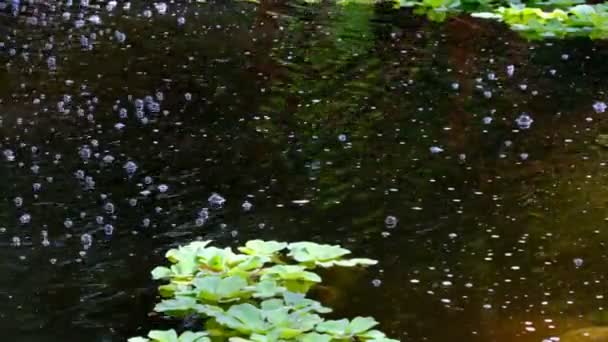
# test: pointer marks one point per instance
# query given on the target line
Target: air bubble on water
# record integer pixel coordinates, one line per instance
(25, 218)
(148, 180)
(86, 240)
(109, 208)
(376, 282)
(79, 174)
(108, 159)
(99, 220)
(36, 187)
(578, 262)
(108, 229)
(216, 200)
(162, 188)
(524, 121)
(133, 202)
(85, 152)
(247, 206)
(51, 63)
(9, 155)
(35, 169)
(89, 183)
(455, 86)
(95, 19)
(391, 222)
(435, 149)
(130, 167)
(487, 120)
(599, 107)
(68, 223)
(203, 213)
(188, 97)
(145, 222)
(161, 7)
(342, 138)
(18, 201)
(199, 222)
(120, 37)
(523, 156)
(181, 21)
(16, 241)
(122, 113)
(510, 70)
(111, 5)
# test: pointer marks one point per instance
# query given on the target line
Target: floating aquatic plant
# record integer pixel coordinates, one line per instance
(256, 296)
(535, 19)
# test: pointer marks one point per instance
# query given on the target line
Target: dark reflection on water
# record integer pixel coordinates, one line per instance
(283, 104)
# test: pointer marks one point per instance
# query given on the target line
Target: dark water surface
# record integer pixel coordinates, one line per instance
(327, 119)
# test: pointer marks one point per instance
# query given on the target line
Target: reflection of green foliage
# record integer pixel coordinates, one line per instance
(257, 296)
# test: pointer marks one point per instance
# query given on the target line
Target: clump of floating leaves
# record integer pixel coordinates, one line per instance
(535, 19)
(257, 295)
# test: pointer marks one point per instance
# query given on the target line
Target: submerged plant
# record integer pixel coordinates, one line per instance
(256, 296)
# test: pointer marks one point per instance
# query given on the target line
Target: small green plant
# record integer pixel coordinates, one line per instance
(257, 295)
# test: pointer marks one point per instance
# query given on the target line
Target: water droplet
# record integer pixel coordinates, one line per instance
(247, 206)
(435, 149)
(216, 200)
(25, 218)
(599, 107)
(391, 222)
(524, 121)
(86, 240)
(130, 167)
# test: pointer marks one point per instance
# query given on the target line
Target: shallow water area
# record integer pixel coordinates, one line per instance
(466, 159)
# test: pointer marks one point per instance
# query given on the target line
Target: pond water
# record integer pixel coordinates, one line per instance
(459, 155)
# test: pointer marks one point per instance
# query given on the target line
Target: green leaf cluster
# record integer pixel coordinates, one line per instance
(535, 19)
(257, 295)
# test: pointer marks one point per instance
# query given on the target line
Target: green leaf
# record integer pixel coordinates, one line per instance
(161, 273)
(347, 329)
(314, 337)
(163, 336)
(290, 272)
(299, 302)
(361, 324)
(179, 306)
(266, 289)
(189, 336)
(333, 327)
(138, 339)
(305, 252)
(218, 289)
(347, 263)
(262, 248)
(244, 318)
